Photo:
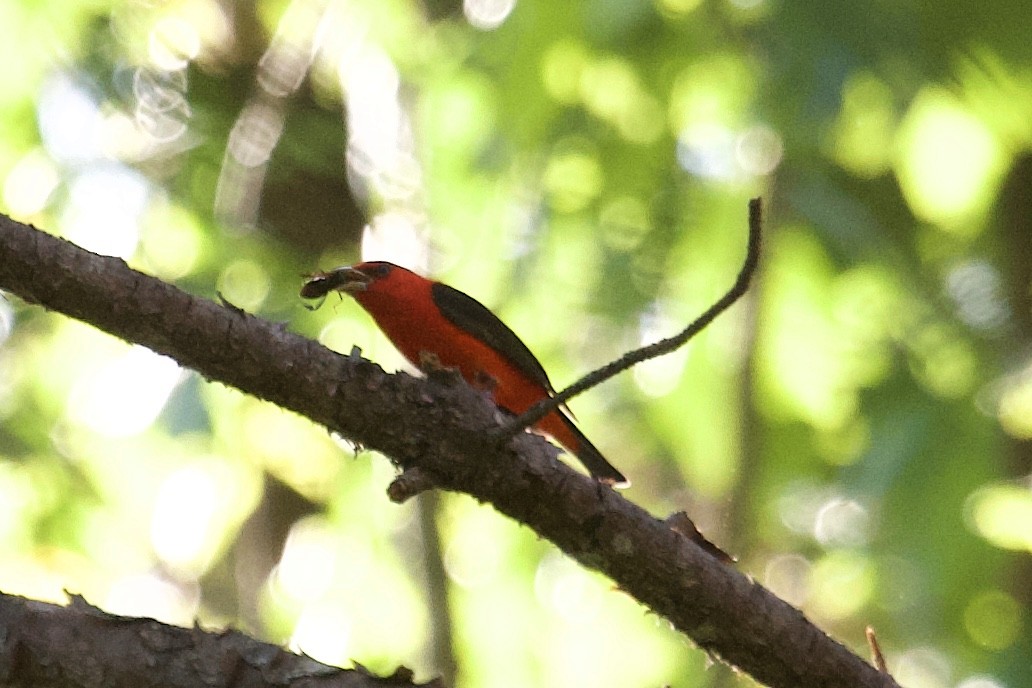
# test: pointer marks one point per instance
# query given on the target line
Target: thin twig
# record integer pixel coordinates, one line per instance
(877, 658)
(665, 346)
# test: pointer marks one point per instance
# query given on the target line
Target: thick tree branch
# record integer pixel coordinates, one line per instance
(83, 647)
(443, 427)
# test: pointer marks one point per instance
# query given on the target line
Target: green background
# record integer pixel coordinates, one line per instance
(857, 431)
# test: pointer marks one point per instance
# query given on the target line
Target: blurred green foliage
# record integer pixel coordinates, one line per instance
(857, 432)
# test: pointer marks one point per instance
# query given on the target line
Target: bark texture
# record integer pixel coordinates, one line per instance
(82, 647)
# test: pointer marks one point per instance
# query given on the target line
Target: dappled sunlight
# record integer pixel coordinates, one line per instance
(290, 447)
(105, 200)
(561, 68)
(245, 284)
(309, 565)
(161, 110)
(949, 163)
(996, 92)
(862, 137)
(196, 509)
(573, 178)
(747, 4)
(868, 309)
(980, 682)
(561, 601)
(6, 327)
(568, 590)
(487, 14)
(104, 210)
(679, 7)
(843, 582)
(172, 242)
(396, 236)
(255, 133)
(1002, 514)
(459, 116)
(70, 120)
(624, 223)
(708, 150)
(922, 667)
(379, 131)
(580, 601)
(354, 329)
(716, 152)
(153, 595)
(330, 587)
(30, 184)
(759, 150)
(611, 89)
(475, 552)
(659, 376)
(842, 523)
(324, 634)
(607, 86)
(976, 287)
(790, 577)
(993, 619)
(50, 575)
(18, 506)
(806, 357)
(124, 395)
(711, 89)
(944, 361)
(1013, 403)
(800, 502)
(821, 512)
(174, 42)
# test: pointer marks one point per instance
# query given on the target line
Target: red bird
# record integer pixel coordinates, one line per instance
(425, 319)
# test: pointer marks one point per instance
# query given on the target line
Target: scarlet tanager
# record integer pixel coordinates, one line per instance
(429, 321)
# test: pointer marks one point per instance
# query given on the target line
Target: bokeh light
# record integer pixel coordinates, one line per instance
(30, 184)
(1002, 514)
(949, 161)
(922, 667)
(487, 14)
(125, 395)
(993, 619)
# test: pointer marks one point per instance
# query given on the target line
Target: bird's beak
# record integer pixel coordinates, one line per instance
(346, 279)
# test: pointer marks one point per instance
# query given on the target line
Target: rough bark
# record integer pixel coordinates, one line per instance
(80, 646)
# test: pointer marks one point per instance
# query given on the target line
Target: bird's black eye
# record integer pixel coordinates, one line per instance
(380, 270)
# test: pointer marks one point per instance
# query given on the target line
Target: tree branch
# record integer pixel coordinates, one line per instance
(81, 646)
(444, 427)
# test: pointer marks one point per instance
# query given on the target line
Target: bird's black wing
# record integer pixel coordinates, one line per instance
(473, 317)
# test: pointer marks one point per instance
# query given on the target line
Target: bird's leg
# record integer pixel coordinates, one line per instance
(430, 364)
(429, 361)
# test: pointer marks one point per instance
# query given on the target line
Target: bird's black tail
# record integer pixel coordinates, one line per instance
(600, 469)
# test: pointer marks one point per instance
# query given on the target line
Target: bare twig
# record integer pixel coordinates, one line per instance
(877, 658)
(665, 346)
